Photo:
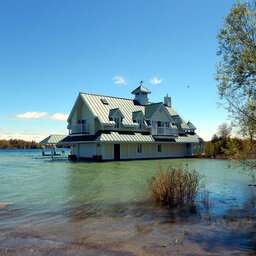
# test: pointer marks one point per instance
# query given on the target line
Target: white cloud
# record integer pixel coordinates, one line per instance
(24, 136)
(119, 80)
(155, 80)
(59, 116)
(30, 115)
(28, 136)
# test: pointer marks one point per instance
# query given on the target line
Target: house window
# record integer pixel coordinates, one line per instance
(140, 122)
(167, 124)
(159, 148)
(117, 122)
(160, 123)
(84, 126)
(139, 148)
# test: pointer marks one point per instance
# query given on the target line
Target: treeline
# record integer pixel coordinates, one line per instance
(230, 148)
(19, 144)
(22, 144)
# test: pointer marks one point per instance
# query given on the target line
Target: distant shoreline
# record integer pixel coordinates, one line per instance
(22, 144)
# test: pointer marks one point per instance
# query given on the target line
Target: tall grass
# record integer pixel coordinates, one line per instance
(175, 187)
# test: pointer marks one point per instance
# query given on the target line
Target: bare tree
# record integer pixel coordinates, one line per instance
(224, 131)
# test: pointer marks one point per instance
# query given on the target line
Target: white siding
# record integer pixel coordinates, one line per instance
(87, 150)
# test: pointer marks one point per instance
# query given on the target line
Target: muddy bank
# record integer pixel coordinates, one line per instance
(190, 235)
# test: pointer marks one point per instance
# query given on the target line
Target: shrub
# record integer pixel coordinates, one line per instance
(175, 187)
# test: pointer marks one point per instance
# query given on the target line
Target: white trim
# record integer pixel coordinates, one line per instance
(130, 125)
(114, 114)
(119, 122)
(166, 111)
(107, 124)
(74, 106)
(142, 124)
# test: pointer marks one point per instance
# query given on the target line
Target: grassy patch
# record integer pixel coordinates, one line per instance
(175, 187)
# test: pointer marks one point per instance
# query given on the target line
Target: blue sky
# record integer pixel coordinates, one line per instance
(52, 50)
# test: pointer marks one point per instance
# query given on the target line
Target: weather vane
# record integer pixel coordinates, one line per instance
(141, 82)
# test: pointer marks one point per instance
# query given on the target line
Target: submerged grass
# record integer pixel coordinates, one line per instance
(175, 187)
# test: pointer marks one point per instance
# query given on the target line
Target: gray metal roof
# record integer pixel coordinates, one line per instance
(141, 89)
(136, 114)
(112, 112)
(184, 125)
(53, 139)
(151, 109)
(127, 107)
(116, 137)
(101, 110)
(188, 139)
(171, 111)
(191, 126)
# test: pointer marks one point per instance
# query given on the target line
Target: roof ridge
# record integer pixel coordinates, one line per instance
(136, 111)
(105, 96)
(120, 98)
(155, 103)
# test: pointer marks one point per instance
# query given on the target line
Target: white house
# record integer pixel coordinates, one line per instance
(112, 128)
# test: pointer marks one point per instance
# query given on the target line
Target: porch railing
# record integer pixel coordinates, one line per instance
(165, 131)
(78, 129)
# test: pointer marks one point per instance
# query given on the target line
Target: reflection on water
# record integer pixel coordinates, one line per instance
(57, 203)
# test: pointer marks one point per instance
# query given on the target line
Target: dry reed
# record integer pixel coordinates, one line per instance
(175, 187)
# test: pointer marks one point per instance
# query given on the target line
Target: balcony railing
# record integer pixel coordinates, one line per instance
(165, 131)
(78, 129)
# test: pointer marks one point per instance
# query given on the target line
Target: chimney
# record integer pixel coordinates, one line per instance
(167, 101)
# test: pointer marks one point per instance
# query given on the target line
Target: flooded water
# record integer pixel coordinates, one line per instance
(59, 207)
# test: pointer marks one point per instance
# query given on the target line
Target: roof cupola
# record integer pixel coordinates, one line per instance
(141, 94)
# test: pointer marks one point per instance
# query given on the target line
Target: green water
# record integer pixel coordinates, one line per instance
(59, 194)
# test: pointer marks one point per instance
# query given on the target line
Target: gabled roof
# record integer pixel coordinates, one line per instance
(184, 126)
(188, 139)
(171, 111)
(53, 139)
(113, 112)
(128, 108)
(141, 89)
(191, 126)
(100, 110)
(151, 109)
(75, 105)
(136, 114)
(177, 119)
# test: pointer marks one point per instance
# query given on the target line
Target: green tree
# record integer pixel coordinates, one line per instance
(236, 72)
(214, 138)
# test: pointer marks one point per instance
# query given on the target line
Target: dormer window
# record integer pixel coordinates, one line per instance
(116, 116)
(140, 122)
(117, 121)
(138, 117)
